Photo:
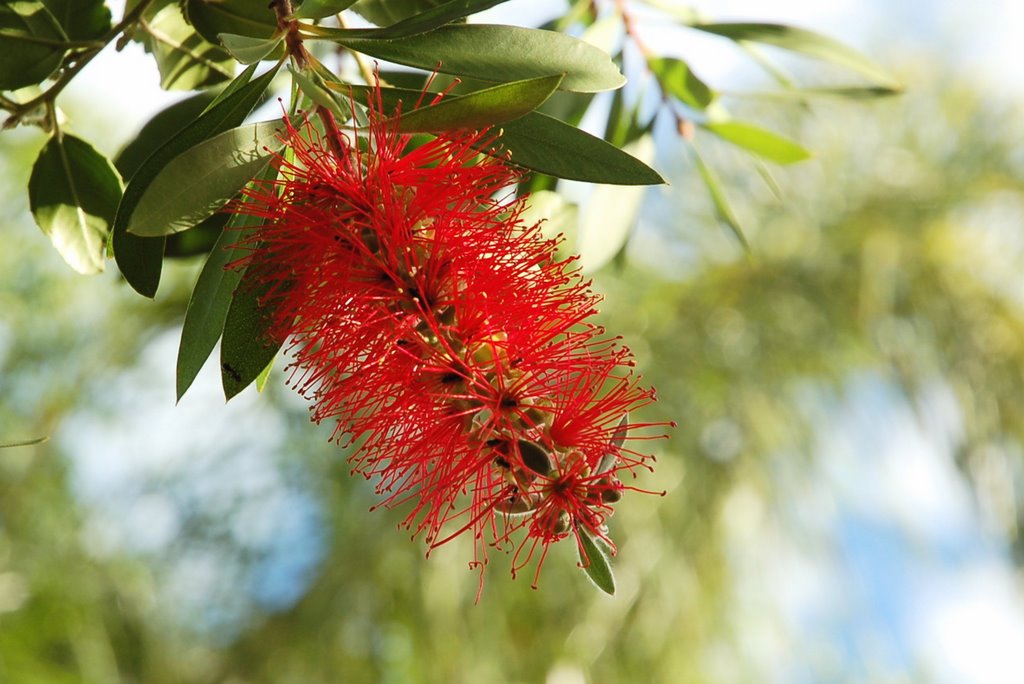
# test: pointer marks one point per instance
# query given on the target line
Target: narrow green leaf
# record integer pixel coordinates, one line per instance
(422, 22)
(248, 50)
(211, 299)
(318, 9)
(498, 53)
(483, 108)
(765, 144)
(310, 84)
(186, 61)
(236, 84)
(611, 214)
(723, 209)
(139, 258)
(80, 19)
(24, 443)
(387, 12)
(678, 80)
(844, 92)
(73, 195)
(595, 562)
(200, 180)
(247, 349)
(25, 57)
(805, 42)
(545, 144)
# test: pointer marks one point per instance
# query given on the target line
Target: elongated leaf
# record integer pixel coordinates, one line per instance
(678, 80)
(24, 443)
(80, 19)
(211, 298)
(545, 144)
(73, 195)
(723, 209)
(483, 108)
(186, 61)
(200, 180)
(610, 215)
(806, 42)
(247, 349)
(844, 92)
(595, 562)
(24, 60)
(387, 12)
(139, 258)
(425, 21)
(310, 84)
(249, 50)
(499, 53)
(318, 9)
(765, 144)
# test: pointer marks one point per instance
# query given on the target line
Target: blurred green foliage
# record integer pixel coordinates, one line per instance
(896, 251)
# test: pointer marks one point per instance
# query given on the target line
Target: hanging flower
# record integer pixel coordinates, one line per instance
(443, 336)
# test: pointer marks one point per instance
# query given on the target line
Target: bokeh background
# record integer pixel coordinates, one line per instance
(843, 492)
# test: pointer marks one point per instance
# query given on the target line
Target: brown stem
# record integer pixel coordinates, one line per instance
(288, 25)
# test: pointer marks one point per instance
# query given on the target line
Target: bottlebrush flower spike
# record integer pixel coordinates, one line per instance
(443, 335)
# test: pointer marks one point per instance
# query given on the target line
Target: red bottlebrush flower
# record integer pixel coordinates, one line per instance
(443, 336)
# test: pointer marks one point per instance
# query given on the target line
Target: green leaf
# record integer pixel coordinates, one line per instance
(387, 12)
(310, 84)
(81, 19)
(186, 61)
(318, 9)
(678, 80)
(422, 22)
(805, 42)
(73, 195)
(610, 215)
(200, 180)
(482, 108)
(158, 130)
(211, 298)
(24, 442)
(30, 44)
(723, 209)
(139, 258)
(498, 53)
(247, 349)
(844, 92)
(242, 17)
(547, 145)
(544, 144)
(764, 144)
(595, 562)
(249, 50)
